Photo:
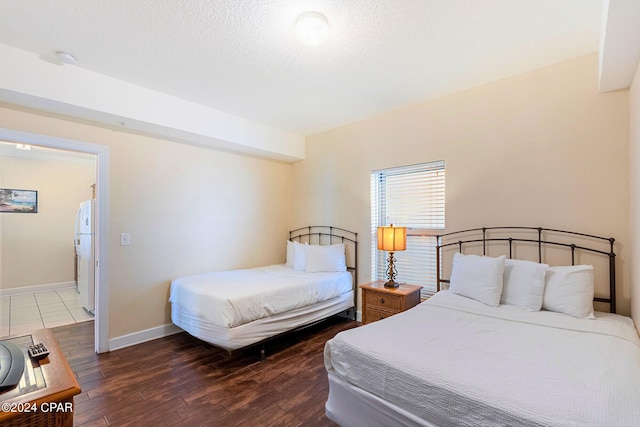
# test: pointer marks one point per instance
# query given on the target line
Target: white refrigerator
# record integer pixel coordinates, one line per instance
(84, 242)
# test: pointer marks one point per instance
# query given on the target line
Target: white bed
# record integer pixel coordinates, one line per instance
(530, 368)
(456, 361)
(235, 309)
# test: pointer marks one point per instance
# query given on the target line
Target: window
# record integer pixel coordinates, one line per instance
(412, 197)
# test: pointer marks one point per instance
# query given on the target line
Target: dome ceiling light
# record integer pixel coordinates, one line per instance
(312, 28)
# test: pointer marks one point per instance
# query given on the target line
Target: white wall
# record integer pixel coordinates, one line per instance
(37, 249)
(188, 210)
(541, 149)
(634, 195)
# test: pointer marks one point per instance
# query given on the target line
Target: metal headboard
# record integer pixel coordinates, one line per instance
(444, 240)
(327, 235)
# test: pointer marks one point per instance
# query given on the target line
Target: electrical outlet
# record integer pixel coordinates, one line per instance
(125, 239)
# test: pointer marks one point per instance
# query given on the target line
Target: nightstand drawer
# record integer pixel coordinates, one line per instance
(373, 314)
(383, 300)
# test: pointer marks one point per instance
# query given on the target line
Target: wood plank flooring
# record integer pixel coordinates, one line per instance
(182, 381)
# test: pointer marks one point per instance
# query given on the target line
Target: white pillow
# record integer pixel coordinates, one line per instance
(569, 290)
(326, 258)
(300, 256)
(478, 277)
(290, 255)
(523, 284)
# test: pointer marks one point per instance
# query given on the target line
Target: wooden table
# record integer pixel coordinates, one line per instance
(379, 302)
(47, 397)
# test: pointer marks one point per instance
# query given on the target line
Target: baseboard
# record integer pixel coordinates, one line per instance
(37, 288)
(143, 336)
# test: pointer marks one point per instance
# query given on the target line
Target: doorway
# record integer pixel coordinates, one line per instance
(101, 218)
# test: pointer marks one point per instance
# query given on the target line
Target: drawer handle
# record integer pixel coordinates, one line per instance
(381, 300)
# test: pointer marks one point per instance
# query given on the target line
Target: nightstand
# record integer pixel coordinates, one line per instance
(379, 302)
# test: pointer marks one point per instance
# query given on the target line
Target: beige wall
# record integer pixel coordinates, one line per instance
(188, 210)
(634, 179)
(541, 149)
(37, 249)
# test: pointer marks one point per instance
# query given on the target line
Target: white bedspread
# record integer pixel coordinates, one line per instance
(232, 298)
(454, 361)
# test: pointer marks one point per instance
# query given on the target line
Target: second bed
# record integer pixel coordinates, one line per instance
(238, 308)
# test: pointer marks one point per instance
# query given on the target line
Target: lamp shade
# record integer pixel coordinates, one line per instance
(392, 238)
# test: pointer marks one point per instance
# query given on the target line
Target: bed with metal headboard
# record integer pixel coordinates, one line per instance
(541, 357)
(240, 308)
(507, 239)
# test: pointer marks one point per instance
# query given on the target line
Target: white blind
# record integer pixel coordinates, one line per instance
(412, 197)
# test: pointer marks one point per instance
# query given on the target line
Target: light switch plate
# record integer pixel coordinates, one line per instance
(125, 239)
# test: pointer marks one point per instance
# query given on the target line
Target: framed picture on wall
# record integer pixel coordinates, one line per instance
(18, 201)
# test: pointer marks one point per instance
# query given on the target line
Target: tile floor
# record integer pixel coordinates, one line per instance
(21, 314)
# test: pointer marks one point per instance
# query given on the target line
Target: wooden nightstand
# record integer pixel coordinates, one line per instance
(379, 302)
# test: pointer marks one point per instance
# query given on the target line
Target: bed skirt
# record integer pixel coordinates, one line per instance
(261, 329)
(351, 406)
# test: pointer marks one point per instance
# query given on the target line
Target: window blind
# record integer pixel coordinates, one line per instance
(413, 197)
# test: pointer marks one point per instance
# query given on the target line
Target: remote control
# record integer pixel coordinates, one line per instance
(38, 351)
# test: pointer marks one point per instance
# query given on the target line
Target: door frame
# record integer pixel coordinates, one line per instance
(101, 323)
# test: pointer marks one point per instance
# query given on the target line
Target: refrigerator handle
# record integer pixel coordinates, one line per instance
(75, 234)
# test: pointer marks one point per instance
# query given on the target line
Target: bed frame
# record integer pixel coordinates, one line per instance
(328, 235)
(512, 237)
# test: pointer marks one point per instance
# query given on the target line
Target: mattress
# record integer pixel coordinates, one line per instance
(455, 361)
(233, 298)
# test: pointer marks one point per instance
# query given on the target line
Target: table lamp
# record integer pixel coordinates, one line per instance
(392, 239)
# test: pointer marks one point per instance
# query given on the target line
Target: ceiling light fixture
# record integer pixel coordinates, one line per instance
(66, 58)
(26, 147)
(312, 28)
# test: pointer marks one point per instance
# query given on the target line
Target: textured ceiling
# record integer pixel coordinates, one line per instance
(240, 56)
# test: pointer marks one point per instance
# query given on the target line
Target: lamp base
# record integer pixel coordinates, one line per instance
(391, 284)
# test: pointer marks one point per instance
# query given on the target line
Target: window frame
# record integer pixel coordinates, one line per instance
(430, 177)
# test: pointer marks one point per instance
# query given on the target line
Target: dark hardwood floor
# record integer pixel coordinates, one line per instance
(182, 381)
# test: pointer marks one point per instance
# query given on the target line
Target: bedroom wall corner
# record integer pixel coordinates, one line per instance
(634, 195)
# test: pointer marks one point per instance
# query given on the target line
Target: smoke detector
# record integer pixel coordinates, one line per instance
(66, 58)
